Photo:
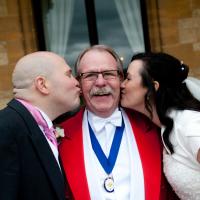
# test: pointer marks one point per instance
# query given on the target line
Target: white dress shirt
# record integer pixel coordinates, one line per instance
(52, 146)
(127, 172)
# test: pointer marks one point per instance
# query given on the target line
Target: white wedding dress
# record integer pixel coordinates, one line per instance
(182, 168)
(184, 180)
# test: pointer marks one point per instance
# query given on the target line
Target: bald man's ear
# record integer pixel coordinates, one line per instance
(156, 85)
(41, 84)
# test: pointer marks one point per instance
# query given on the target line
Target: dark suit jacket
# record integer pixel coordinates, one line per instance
(28, 168)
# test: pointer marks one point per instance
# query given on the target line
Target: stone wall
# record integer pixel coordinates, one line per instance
(175, 29)
(17, 38)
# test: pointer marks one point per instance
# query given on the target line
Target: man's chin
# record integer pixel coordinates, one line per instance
(103, 107)
(102, 98)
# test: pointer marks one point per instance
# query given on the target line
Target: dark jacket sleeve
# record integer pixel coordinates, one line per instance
(9, 161)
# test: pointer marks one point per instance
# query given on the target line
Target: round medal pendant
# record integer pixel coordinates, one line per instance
(109, 184)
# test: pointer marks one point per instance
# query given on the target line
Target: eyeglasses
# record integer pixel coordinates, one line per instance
(93, 76)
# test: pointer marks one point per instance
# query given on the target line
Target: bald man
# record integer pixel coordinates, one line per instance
(44, 88)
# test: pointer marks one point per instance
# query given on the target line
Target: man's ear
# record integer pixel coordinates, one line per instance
(41, 84)
(156, 85)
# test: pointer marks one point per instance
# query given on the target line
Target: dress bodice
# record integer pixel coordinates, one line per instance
(181, 167)
(184, 180)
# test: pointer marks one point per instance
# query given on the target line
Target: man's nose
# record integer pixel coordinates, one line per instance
(100, 80)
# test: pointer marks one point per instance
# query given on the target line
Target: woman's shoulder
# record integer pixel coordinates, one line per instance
(184, 115)
(186, 122)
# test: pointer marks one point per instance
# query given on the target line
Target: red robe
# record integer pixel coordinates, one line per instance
(149, 146)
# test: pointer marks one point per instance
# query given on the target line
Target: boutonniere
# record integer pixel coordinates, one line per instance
(59, 132)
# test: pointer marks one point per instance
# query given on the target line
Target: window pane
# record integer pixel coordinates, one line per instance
(65, 27)
(120, 26)
(78, 38)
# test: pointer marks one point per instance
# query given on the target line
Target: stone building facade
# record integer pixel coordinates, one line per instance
(174, 27)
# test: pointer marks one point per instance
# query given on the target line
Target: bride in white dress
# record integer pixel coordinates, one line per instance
(157, 86)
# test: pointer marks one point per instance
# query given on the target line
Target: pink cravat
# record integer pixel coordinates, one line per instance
(49, 132)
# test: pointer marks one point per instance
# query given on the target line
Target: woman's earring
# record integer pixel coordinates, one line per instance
(156, 85)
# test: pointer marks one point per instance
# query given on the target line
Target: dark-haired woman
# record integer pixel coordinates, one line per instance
(157, 86)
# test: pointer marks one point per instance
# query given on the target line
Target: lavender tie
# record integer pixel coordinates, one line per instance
(49, 132)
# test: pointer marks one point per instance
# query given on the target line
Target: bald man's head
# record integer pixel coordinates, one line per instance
(45, 80)
(33, 65)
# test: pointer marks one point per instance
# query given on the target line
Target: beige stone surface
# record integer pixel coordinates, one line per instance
(175, 26)
(3, 54)
(17, 38)
(5, 97)
(3, 8)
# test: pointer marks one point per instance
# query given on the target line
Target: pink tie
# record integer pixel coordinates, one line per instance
(49, 132)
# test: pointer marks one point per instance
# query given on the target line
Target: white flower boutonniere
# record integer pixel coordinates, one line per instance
(59, 132)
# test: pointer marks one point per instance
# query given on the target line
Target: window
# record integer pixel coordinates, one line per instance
(65, 26)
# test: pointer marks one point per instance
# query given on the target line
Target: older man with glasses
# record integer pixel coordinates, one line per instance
(106, 152)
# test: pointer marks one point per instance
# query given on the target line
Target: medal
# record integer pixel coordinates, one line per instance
(109, 184)
(107, 163)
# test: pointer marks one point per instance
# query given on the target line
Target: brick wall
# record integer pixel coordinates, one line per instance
(17, 38)
(175, 29)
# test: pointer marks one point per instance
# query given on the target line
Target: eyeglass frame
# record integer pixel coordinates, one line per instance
(102, 73)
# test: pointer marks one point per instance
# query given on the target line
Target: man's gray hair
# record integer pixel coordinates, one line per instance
(99, 48)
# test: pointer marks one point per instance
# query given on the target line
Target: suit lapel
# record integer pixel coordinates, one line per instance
(72, 155)
(149, 146)
(42, 149)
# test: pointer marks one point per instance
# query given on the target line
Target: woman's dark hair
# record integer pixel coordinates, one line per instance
(172, 93)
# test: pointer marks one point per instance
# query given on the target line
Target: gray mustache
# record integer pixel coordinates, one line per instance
(101, 91)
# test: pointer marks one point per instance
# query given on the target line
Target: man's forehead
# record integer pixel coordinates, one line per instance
(97, 51)
(99, 58)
